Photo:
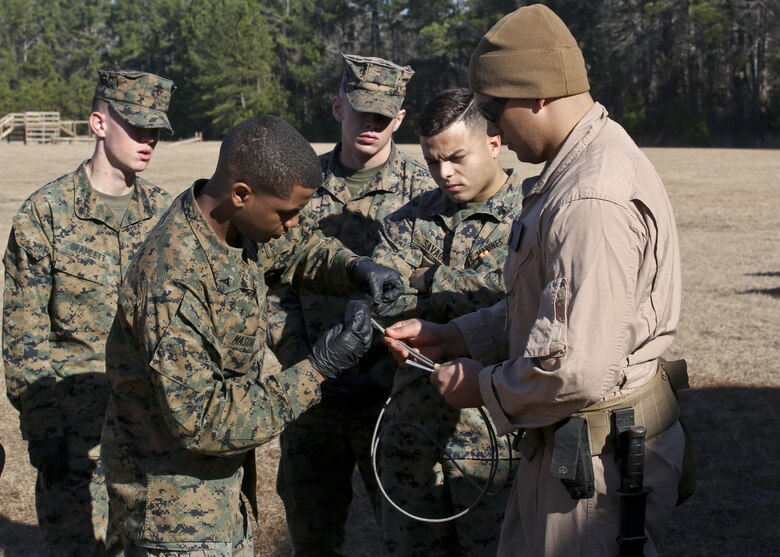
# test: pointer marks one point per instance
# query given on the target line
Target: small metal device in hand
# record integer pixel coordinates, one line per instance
(423, 362)
(424, 367)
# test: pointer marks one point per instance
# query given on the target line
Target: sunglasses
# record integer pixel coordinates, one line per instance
(492, 109)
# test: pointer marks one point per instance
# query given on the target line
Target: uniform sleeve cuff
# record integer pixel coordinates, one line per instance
(475, 333)
(301, 386)
(338, 270)
(41, 424)
(428, 277)
(489, 399)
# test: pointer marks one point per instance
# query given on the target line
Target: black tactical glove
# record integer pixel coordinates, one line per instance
(342, 346)
(383, 284)
(49, 457)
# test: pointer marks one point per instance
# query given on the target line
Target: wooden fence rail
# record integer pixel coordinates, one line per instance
(43, 127)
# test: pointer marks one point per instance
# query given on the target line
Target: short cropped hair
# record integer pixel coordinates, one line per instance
(102, 105)
(448, 107)
(99, 105)
(268, 154)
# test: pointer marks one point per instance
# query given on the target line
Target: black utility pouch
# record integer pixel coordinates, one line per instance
(571, 458)
(677, 371)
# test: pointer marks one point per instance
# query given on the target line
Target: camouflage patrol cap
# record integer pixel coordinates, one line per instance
(375, 85)
(139, 98)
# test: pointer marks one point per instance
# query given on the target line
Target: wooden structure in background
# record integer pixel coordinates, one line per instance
(194, 139)
(43, 127)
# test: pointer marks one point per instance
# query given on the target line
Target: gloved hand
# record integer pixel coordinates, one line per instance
(382, 283)
(343, 345)
(49, 457)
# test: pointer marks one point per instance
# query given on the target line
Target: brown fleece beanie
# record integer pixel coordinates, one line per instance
(529, 54)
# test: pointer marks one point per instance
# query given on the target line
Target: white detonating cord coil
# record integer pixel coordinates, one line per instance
(377, 436)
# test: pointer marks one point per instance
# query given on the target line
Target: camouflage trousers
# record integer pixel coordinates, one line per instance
(73, 513)
(431, 488)
(319, 452)
(244, 548)
(420, 478)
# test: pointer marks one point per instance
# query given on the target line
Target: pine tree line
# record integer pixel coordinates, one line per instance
(674, 72)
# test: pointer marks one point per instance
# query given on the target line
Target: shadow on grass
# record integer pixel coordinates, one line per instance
(774, 292)
(733, 514)
(735, 510)
(20, 539)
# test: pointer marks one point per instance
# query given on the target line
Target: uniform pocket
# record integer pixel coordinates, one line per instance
(93, 267)
(181, 508)
(239, 353)
(425, 246)
(547, 337)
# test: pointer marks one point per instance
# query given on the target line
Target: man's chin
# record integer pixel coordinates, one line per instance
(456, 197)
(142, 163)
(369, 150)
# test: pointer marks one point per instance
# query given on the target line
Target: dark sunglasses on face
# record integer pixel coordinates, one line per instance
(492, 109)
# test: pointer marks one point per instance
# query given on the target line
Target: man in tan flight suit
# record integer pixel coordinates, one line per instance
(593, 282)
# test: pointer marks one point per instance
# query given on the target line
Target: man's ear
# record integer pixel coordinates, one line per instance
(98, 122)
(240, 194)
(494, 145)
(399, 118)
(336, 108)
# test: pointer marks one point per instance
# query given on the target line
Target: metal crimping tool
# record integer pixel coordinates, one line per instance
(422, 362)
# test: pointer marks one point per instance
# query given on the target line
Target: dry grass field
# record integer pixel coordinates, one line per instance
(727, 204)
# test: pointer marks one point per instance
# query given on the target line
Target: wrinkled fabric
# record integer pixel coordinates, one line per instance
(593, 275)
(375, 85)
(354, 399)
(140, 98)
(184, 363)
(355, 222)
(468, 243)
(64, 264)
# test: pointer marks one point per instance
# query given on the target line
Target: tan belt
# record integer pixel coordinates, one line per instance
(655, 407)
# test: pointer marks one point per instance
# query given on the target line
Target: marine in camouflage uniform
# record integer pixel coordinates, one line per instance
(365, 179)
(68, 249)
(452, 243)
(185, 355)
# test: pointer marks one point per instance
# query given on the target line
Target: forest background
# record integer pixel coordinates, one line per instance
(673, 72)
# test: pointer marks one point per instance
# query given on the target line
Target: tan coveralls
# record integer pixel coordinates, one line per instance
(593, 281)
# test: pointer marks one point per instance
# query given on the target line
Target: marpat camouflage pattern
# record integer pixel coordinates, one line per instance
(467, 246)
(184, 362)
(374, 84)
(64, 264)
(139, 98)
(337, 431)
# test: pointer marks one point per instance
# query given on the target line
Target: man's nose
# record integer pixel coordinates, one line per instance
(148, 135)
(446, 169)
(290, 223)
(376, 122)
